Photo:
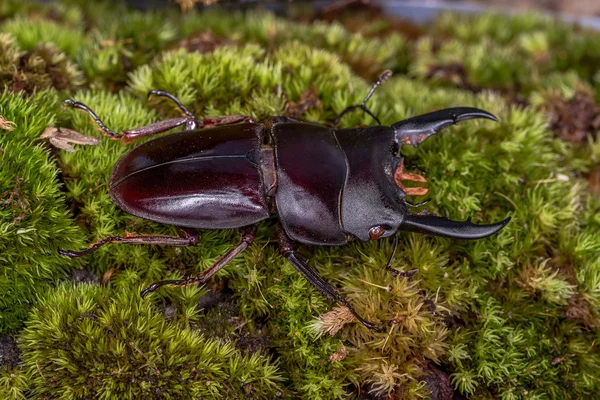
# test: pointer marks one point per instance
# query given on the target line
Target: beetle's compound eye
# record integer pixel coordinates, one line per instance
(376, 232)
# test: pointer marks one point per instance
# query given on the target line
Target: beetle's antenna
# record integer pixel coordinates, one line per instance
(382, 78)
(387, 74)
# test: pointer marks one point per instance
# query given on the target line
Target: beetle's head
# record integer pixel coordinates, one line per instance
(374, 202)
(414, 131)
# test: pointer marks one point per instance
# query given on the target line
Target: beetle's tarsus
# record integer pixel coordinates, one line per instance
(76, 104)
(247, 238)
(128, 136)
(415, 130)
(164, 93)
(407, 274)
(393, 271)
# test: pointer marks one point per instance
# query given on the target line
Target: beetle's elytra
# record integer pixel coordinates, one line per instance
(326, 186)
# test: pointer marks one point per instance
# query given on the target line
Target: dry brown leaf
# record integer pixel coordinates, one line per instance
(187, 5)
(107, 275)
(7, 125)
(62, 137)
(339, 355)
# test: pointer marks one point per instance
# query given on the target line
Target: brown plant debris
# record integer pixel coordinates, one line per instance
(7, 125)
(558, 360)
(203, 42)
(455, 73)
(308, 100)
(17, 200)
(574, 119)
(358, 16)
(581, 311)
(44, 67)
(594, 180)
(437, 382)
(339, 355)
(334, 320)
(187, 5)
(62, 137)
(9, 352)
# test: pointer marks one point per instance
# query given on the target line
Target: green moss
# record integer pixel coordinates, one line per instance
(512, 316)
(135, 352)
(31, 33)
(44, 67)
(33, 211)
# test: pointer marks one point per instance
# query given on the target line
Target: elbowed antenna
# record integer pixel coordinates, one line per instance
(441, 226)
(415, 130)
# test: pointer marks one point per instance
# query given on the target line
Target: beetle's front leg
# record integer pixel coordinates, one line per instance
(394, 271)
(186, 238)
(288, 249)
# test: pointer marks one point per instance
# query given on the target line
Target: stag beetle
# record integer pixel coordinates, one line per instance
(326, 186)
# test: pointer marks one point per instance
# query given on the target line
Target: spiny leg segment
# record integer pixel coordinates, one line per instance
(186, 238)
(247, 239)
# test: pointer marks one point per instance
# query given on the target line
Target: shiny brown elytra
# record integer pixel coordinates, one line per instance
(325, 186)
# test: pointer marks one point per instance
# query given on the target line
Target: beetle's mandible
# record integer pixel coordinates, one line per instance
(326, 186)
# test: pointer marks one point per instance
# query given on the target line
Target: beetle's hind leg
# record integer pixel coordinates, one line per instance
(247, 239)
(382, 78)
(186, 238)
(131, 134)
(288, 249)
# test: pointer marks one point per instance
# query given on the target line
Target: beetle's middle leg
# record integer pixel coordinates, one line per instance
(288, 250)
(247, 239)
(382, 78)
(206, 122)
(186, 238)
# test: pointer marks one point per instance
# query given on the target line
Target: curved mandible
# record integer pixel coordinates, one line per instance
(415, 130)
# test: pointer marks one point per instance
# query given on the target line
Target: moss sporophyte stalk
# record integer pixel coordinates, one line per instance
(511, 316)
